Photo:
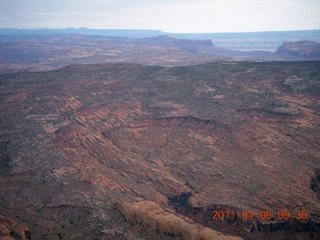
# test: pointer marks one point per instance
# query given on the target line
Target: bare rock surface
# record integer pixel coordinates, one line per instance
(152, 215)
(10, 229)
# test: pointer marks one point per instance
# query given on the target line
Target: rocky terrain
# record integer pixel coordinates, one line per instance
(29, 53)
(32, 52)
(117, 151)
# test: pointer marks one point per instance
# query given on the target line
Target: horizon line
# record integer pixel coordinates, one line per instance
(138, 29)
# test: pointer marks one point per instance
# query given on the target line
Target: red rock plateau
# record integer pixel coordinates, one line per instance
(127, 151)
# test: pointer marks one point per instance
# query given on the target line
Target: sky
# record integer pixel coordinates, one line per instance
(178, 16)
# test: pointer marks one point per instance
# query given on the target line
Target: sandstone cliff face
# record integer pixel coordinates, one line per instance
(242, 136)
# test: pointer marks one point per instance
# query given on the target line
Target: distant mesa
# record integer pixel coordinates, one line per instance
(33, 49)
(300, 49)
(167, 41)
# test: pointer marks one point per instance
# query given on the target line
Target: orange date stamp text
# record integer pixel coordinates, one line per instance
(267, 214)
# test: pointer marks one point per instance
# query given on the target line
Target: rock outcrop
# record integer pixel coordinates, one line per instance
(153, 216)
(11, 230)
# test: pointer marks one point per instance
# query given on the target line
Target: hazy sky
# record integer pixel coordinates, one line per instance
(168, 15)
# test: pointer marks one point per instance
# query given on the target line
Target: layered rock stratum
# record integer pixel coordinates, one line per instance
(83, 145)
